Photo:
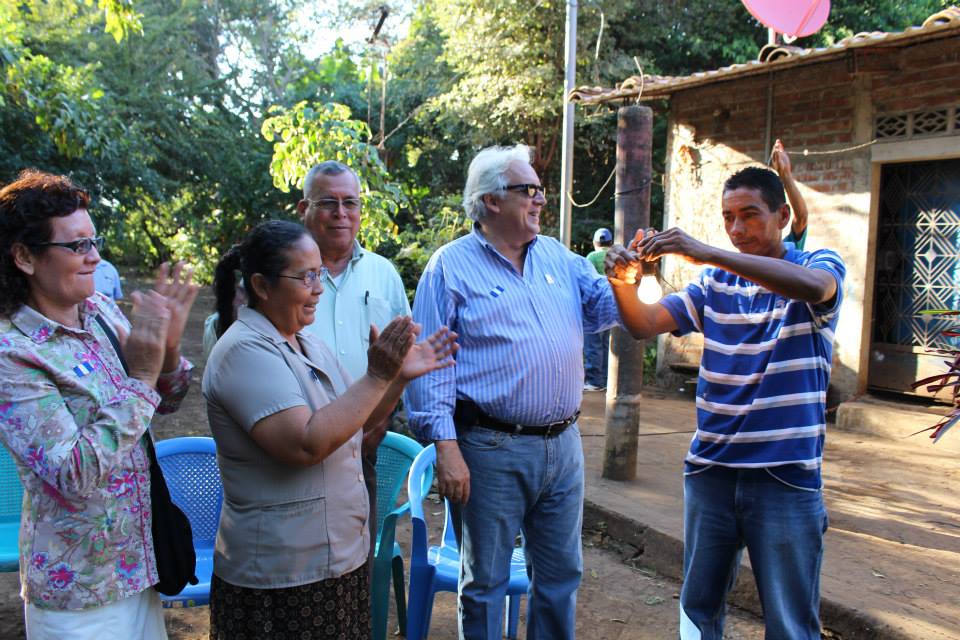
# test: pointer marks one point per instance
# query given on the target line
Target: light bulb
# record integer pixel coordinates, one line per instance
(649, 290)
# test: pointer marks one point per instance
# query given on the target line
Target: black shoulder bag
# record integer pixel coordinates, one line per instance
(172, 536)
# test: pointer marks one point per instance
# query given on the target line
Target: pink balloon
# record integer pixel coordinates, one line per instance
(792, 17)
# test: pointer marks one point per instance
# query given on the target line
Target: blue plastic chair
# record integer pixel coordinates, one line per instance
(436, 569)
(193, 478)
(394, 457)
(11, 501)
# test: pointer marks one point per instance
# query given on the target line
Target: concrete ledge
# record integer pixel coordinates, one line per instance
(896, 421)
(664, 553)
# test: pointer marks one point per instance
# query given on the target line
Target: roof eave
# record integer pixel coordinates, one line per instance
(914, 35)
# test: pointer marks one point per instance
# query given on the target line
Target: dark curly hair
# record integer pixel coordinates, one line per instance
(26, 206)
(263, 251)
(763, 180)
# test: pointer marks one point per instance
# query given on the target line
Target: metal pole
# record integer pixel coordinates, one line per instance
(566, 158)
(625, 371)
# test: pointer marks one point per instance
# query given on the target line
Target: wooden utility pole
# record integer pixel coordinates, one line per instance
(566, 156)
(625, 371)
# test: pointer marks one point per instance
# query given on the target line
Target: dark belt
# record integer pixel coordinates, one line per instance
(468, 415)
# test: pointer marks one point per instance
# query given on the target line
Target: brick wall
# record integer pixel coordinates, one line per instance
(719, 128)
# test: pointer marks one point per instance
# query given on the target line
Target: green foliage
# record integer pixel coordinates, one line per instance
(65, 103)
(444, 223)
(507, 62)
(309, 133)
(161, 107)
(120, 17)
(849, 17)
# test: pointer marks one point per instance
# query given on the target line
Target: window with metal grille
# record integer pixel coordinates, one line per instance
(917, 124)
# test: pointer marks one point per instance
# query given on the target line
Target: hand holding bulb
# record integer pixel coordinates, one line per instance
(649, 290)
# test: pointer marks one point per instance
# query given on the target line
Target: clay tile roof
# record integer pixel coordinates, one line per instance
(945, 23)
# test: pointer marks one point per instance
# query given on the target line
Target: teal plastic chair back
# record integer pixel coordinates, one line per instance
(394, 457)
(11, 501)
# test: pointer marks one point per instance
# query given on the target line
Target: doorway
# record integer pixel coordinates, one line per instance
(917, 269)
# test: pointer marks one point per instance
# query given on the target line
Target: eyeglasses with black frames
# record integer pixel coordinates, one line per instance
(308, 278)
(331, 205)
(531, 189)
(80, 246)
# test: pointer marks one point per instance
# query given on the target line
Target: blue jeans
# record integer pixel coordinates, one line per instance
(782, 528)
(596, 347)
(534, 486)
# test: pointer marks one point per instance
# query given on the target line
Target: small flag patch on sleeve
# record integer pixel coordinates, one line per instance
(83, 369)
(496, 291)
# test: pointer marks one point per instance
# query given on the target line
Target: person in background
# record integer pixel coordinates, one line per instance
(106, 280)
(780, 161)
(292, 546)
(360, 289)
(596, 346)
(75, 421)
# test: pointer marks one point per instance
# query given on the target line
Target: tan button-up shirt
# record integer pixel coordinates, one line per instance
(280, 526)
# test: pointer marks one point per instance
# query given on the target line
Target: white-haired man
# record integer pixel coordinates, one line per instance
(504, 419)
(360, 288)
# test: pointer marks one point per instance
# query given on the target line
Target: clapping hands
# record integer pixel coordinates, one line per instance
(394, 353)
(158, 320)
(145, 346)
(177, 288)
(436, 352)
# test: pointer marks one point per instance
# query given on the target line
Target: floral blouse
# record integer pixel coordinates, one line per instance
(73, 421)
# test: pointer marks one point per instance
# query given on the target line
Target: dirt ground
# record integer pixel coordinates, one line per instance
(617, 601)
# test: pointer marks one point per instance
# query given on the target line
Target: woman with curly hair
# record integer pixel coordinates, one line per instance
(75, 421)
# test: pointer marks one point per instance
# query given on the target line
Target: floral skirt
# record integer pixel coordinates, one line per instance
(334, 609)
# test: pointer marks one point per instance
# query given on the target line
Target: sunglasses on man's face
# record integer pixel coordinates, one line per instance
(531, 189)
(81, 246)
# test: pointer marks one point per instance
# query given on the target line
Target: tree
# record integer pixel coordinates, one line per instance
(307, 134)
(152, 125)
(158, 105)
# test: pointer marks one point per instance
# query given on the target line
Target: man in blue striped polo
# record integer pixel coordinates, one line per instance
(504, 419)
(752, 479)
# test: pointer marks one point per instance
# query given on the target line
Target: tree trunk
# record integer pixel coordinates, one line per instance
(625, 373)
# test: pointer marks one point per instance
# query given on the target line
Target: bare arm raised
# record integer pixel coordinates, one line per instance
(780, 161)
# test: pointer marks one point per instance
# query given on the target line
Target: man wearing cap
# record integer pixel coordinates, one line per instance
(504, 419)
(597, 345)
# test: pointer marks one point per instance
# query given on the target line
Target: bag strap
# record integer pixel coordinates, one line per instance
(114, 341)
(111, 334)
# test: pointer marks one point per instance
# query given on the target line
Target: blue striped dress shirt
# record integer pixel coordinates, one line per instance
(520, 336)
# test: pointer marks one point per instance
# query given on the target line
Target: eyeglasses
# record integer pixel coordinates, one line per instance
(531, 189)
(81, 246)
(331, 205)
(309, 278)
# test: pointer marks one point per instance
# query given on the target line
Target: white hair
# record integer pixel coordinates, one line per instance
(486, 175)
